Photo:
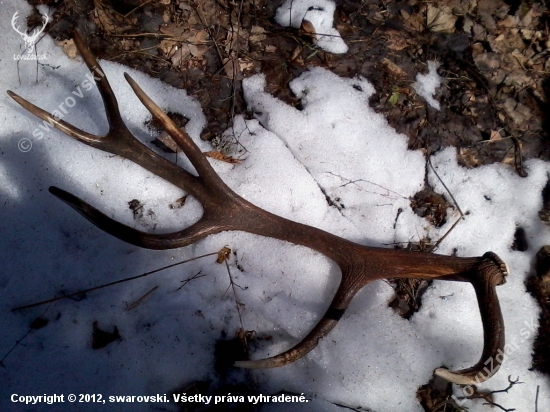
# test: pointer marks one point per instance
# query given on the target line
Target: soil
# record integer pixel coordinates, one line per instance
(494, 57)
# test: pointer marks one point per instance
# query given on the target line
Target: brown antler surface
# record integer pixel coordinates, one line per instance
(223, 210)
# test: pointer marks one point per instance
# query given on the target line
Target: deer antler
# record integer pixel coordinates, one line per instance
(223, 210)
(16, 27)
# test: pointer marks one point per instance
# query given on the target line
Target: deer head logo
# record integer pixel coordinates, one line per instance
(29, 38)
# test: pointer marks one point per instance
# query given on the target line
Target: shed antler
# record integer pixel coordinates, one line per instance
(223, 209)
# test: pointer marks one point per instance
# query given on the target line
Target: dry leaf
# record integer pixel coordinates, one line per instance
(296, 53)
(441, 19)
(223, 254)
(245, 64)
(413, 21)
(469, 157)
(308, 30)
(175, 31)
(495, 136)
(257, 34)
(237, 39)
(393, 68)
(69, 48)
(396, 40)
(182, 43)
(232, 71)
(216, 154)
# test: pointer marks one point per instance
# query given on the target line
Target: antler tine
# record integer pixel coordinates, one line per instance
(183, 140)
(116, 125)
(109, 100)
(491, 272)
(187, 236)
(59, 124)
(345, 293)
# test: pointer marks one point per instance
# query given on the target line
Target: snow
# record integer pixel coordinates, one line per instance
(335, 146)
(320, 13)
(427, 84)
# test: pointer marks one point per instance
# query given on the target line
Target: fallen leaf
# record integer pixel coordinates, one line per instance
(412, 21)
(495, 136)
(393, 68)
(257, 34)
(440, 19)
(308, 30)
(223, 254)
(69, 48)
(216, 154)
(232, 71)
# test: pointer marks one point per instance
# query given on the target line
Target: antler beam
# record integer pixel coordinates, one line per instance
(223, 210)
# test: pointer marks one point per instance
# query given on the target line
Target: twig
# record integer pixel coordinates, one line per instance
(510, 385)
(358, 409)
(436, 244)
(488, 401)
(141, 299)
(32, 305)
(518, 158)
(138, 7)
(445, 186)
(17, 342)
(354, 182)
(186, 281)
(237, 303)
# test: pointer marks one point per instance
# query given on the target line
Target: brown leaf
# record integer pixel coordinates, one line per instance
(296, 53)
(397, 41)
(412, 21)
(232, 71)
(308, 30)
(393, 68)
(216, 154)
(495, 136)
(223, 254)
(69, 48)
(441, 19)
(257, 34)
